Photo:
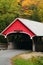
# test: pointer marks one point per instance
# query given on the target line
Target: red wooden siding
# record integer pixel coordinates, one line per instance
(17, 25)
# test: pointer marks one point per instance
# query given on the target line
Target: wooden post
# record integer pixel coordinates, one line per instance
(33, 45)
(7, 41)
(10, 45)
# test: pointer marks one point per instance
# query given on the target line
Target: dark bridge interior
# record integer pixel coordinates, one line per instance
(38, 40)
(20, 41)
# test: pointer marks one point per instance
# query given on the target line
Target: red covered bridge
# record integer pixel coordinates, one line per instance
(27, 27)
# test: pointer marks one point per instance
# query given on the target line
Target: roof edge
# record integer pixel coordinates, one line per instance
(15, 21)
(10, 25)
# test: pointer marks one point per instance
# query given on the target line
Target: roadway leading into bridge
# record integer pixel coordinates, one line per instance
(5, 55)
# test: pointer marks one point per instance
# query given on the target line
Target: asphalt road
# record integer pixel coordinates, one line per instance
(5, 56)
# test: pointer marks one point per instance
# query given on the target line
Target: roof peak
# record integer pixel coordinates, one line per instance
(34, 26)
(28, 20)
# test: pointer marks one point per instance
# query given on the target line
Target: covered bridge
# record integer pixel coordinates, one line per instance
(31, 32)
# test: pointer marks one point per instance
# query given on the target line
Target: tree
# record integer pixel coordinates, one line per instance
(35, 16)
(8, 12)
(11, 9)
(32, 9)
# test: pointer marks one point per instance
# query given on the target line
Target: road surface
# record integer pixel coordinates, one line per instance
(5, 56)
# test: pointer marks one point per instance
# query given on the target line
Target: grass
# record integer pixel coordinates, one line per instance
(32, 61)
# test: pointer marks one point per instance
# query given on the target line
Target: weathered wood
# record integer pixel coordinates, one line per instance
(33, 45)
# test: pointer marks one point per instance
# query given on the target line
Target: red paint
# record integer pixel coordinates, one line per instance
(17, 25)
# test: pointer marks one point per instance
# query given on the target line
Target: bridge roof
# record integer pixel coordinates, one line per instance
(35, 27)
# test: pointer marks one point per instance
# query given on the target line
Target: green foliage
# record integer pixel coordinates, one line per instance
(8, 12)
(32, 9)
(3, 40)
(35, 16)
(31, 61)
(11, 9)
(37, 60)
(21, 62)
